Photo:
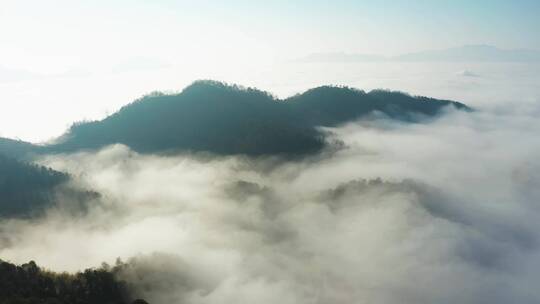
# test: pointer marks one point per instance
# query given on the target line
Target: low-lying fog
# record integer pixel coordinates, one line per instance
(439, 212)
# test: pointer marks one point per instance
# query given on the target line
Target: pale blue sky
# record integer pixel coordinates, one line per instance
(167, 29)
(115, 50)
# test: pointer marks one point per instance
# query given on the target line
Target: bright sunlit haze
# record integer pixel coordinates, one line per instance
(263, 152)
(66, 61)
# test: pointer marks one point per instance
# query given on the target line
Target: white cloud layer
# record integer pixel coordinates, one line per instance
(441, 212)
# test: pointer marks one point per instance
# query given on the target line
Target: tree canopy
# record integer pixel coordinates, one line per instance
(25, 188)
(227, 119)
(29, 284)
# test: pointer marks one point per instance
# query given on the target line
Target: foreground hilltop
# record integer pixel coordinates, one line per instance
(28, 283)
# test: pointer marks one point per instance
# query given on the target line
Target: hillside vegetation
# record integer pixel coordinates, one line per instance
(26, 189)
(223, 119)
(29, 284)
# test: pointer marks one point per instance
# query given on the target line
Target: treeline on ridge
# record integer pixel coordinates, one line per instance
(215, 117)
(29, 284)
(226, 119)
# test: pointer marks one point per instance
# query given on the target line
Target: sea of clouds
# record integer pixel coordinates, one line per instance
(445, 211)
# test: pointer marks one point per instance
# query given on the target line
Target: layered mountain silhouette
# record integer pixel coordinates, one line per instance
(227, 119)
(474, 53)
(207, 116)
(466, 53)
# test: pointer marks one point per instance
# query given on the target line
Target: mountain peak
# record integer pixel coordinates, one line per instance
(216, 117)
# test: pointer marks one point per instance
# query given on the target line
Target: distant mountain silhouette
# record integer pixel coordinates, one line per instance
(474, 53)
(467, 53)
(342, 57)
(227, 119)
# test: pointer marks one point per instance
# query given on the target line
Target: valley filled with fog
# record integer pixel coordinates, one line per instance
(442, 210)
(264, 152)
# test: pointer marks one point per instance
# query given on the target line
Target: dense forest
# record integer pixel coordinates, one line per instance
(16, 148)
(227, 119)
(224, 119)
(29, 284)
(26, 189)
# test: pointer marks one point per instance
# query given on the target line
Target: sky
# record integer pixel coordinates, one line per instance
(460, 192)
(63, 61)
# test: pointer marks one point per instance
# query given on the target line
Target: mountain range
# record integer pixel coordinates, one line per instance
(215, 117)
(207, 116)
(467, 53)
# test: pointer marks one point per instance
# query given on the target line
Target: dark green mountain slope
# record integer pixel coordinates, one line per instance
(205, 117)
(223, 119)
(331, 106)
(26, 189)
(16, 148)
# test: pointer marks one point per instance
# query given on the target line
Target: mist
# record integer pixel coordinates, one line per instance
(444, 211)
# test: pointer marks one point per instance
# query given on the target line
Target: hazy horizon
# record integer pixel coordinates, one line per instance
(67, 61)
(326, 190)
(484, 85)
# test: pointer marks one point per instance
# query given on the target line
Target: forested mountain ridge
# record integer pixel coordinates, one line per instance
(205, 117)
(16, 148)
(215, 117)
(330, 106)
(226, 119)
(26, 189)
